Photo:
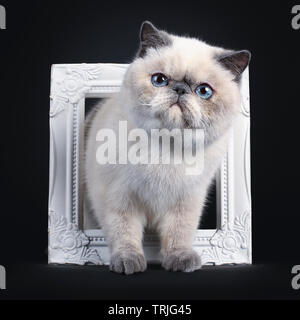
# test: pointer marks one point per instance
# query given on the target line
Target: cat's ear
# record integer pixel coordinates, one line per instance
(151, 37)
(235, 61)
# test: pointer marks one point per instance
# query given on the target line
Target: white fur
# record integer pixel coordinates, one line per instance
(127, 198)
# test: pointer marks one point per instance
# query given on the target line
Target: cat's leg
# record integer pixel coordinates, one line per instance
(124, 232)
(177, 231)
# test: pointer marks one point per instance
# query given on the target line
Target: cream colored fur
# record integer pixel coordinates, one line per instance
(127, 198)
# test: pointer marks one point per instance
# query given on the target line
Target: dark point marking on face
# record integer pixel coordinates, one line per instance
(151, 37)
(236, 62)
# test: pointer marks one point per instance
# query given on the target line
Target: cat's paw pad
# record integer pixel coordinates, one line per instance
(182, 260)
(128, 262)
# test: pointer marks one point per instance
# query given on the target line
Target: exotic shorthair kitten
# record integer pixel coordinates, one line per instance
(173, 83)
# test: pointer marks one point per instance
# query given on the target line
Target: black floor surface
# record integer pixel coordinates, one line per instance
(38, 281)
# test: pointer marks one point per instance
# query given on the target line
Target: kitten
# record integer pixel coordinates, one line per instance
(174, 82)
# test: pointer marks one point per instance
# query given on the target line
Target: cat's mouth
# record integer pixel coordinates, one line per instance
(180, 109)
(177, 104)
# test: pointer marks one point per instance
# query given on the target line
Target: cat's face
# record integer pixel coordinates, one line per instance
(178, 82)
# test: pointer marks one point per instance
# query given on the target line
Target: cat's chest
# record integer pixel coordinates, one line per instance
(160, 184)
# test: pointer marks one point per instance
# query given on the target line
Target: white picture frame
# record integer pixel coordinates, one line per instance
(71, 84)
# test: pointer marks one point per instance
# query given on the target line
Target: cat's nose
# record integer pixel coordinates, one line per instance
(181, 88)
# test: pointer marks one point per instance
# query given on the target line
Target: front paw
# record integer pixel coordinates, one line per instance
(128, 262)
(182, 260)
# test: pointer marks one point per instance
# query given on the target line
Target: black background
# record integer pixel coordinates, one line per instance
(41, 33)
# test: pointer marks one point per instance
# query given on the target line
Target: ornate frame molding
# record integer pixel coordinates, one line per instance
(68, 243)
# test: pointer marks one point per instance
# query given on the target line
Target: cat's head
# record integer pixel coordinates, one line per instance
(179, 82)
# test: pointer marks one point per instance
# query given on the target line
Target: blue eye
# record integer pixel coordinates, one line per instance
(204, 91)
(159, 80)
